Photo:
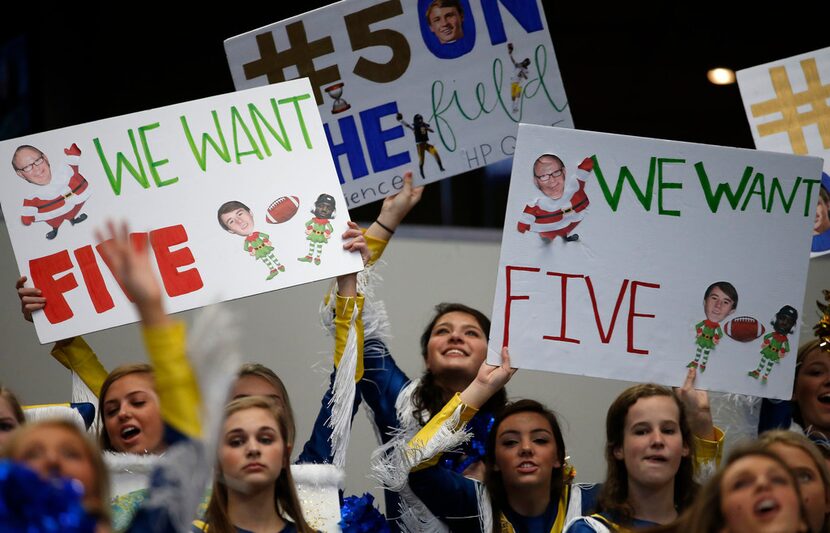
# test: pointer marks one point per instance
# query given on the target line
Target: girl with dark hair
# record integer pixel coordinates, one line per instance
(651, 455)
(527, 485)
(454, 347)
(527, 478)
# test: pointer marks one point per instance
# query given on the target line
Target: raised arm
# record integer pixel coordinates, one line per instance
(164, 338)
(394, 210)
(458, 411)
(348, 310)
(708, 439)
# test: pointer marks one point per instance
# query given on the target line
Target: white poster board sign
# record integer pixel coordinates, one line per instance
(787, 103)
(225, 187)
(432, 86)
(633, 258)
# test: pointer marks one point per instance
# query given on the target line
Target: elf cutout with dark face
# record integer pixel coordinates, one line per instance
(318, 229)
(775, 345)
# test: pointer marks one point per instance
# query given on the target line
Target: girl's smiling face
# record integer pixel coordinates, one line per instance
(132, 415)
(812, 390)
(456, 344)
(758, 495)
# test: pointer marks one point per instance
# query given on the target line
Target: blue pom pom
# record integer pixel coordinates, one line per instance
(359, 515)
(31, 504)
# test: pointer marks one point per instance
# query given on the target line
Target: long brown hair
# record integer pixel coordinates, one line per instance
(286, 501)
(492, 477)
(429, 396)
(121, 371)
(706, 513)
(262, 371)
(614, 495)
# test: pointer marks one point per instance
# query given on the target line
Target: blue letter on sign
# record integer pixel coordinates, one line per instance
(350, 146)
(524, 11)
(376, 138)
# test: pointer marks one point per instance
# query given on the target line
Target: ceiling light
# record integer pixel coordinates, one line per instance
(721, 76)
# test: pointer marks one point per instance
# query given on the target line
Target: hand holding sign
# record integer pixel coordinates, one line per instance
(30, 298)
(489, 380)
(696, 404)
(353, 241)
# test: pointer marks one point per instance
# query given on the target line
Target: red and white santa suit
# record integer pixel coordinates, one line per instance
(60, 199)
(557, 218)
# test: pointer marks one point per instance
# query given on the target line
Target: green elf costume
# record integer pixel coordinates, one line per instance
(775, 345)
(258, 244)
(708, 335)
(318, 229)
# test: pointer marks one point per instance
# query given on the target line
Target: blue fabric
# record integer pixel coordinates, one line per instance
(289, 528)
(821, 242)
(775, 414)
(435, 484)
(382, 382)
(532, 524)
(778, 414)
(317, 450)
(460, 512)
(473, 451)
(590, 496)
(580, 526)
(359, 515)
(33, 505)
(87, 411)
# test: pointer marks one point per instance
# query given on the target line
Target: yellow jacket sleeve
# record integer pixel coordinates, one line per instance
(345, 308)
(709, 450)
(76, 355)
(451, 419)
(176, 383)
(376, 247)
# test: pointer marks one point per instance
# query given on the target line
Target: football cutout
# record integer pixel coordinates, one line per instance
(282, 209)
(744, 328)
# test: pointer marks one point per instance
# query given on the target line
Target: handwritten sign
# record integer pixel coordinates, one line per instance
(634, 259)
(786, 103)
(440, 85)
(236, 194)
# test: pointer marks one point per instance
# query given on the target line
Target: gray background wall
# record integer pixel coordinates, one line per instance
(424, 266)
